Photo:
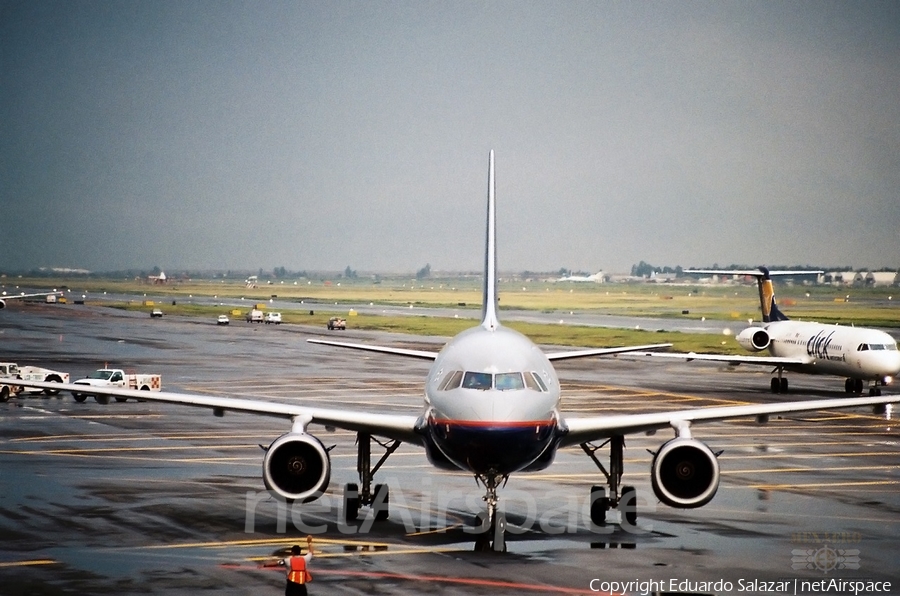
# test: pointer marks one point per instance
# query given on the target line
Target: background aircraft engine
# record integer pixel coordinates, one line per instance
(754, 338)
(2, 304)
(297, 467)
(684, 473)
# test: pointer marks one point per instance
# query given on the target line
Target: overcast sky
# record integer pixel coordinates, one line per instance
(317, 135)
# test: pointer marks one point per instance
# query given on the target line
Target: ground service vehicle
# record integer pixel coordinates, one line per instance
(156, 313)
(8, 370)
(222, 320)
(273, 317)
(11, 370)
(337, 323)
(255, 316)
(115, 377)
(36, 373)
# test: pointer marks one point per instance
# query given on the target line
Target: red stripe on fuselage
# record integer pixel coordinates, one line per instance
(498, 424)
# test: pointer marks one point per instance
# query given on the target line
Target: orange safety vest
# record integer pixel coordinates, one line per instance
(297, 572)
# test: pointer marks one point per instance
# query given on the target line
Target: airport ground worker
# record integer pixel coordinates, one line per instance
(296, 569)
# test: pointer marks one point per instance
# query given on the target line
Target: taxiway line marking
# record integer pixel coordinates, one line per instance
(825, 484)
(27, 563)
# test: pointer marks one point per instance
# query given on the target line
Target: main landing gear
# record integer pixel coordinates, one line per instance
(779, 383)
(491, 524)
(355, 495)
(626, 499)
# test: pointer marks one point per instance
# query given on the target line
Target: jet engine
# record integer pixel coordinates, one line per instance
(684, 473)
(755, 339)
(2, 304)
(297, 467)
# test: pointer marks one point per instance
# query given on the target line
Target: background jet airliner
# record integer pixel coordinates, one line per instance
(859, 354)
(492, 408)
(4, 297)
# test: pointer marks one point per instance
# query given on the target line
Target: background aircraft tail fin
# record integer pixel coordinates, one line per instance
(770, 310)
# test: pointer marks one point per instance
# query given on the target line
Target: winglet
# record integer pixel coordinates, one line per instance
(489, 319)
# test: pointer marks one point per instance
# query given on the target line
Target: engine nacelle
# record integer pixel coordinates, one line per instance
(2, 303)
(684, 473)
(755, 339)
(297, 467)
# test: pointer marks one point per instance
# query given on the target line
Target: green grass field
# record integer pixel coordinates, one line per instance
(732, 305)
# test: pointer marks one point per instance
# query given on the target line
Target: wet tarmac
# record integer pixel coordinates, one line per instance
(143, 498)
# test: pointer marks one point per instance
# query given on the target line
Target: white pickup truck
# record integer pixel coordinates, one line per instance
(11, 370)
(115, 377)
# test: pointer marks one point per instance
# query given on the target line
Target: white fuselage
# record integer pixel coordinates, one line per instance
(836, 349)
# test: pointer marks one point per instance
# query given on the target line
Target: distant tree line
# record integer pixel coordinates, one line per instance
(644, 269)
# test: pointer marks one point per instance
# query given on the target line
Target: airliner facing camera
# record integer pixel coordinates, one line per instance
(492, 409)
(859, 354)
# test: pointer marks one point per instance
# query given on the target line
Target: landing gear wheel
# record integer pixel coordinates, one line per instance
(848, 385)
(380, 505)
(483, 539)
(628, 505)
(492, 533)
(784, 385)
(121, 399)
(102, 399)
(776, 385)
(4, 394)
(79, 397)
(599, 505)
(875, 390)
(351, 502)
(857, 386)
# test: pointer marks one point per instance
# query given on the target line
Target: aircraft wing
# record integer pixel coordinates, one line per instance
(382, 349)
(12, 296)
(729, 358)
(393, 426)
(603, 351)
(581, 430)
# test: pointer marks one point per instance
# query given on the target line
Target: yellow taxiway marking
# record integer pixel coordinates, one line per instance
(133, 437)
(264, 542)
(27, 563)
(826, 484)
(809, 469)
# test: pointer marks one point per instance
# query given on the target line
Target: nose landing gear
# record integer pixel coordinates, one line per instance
(491, 524)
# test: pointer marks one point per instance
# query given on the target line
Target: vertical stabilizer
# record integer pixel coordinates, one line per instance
(489, 318)
(767, 304)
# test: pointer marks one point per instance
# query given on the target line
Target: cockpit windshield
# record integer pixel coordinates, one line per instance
(508, 381)
(866, 347)
(512, 381)
(477, 380)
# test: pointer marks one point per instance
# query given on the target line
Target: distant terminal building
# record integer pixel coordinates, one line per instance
(869, 279)
(878, 278)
